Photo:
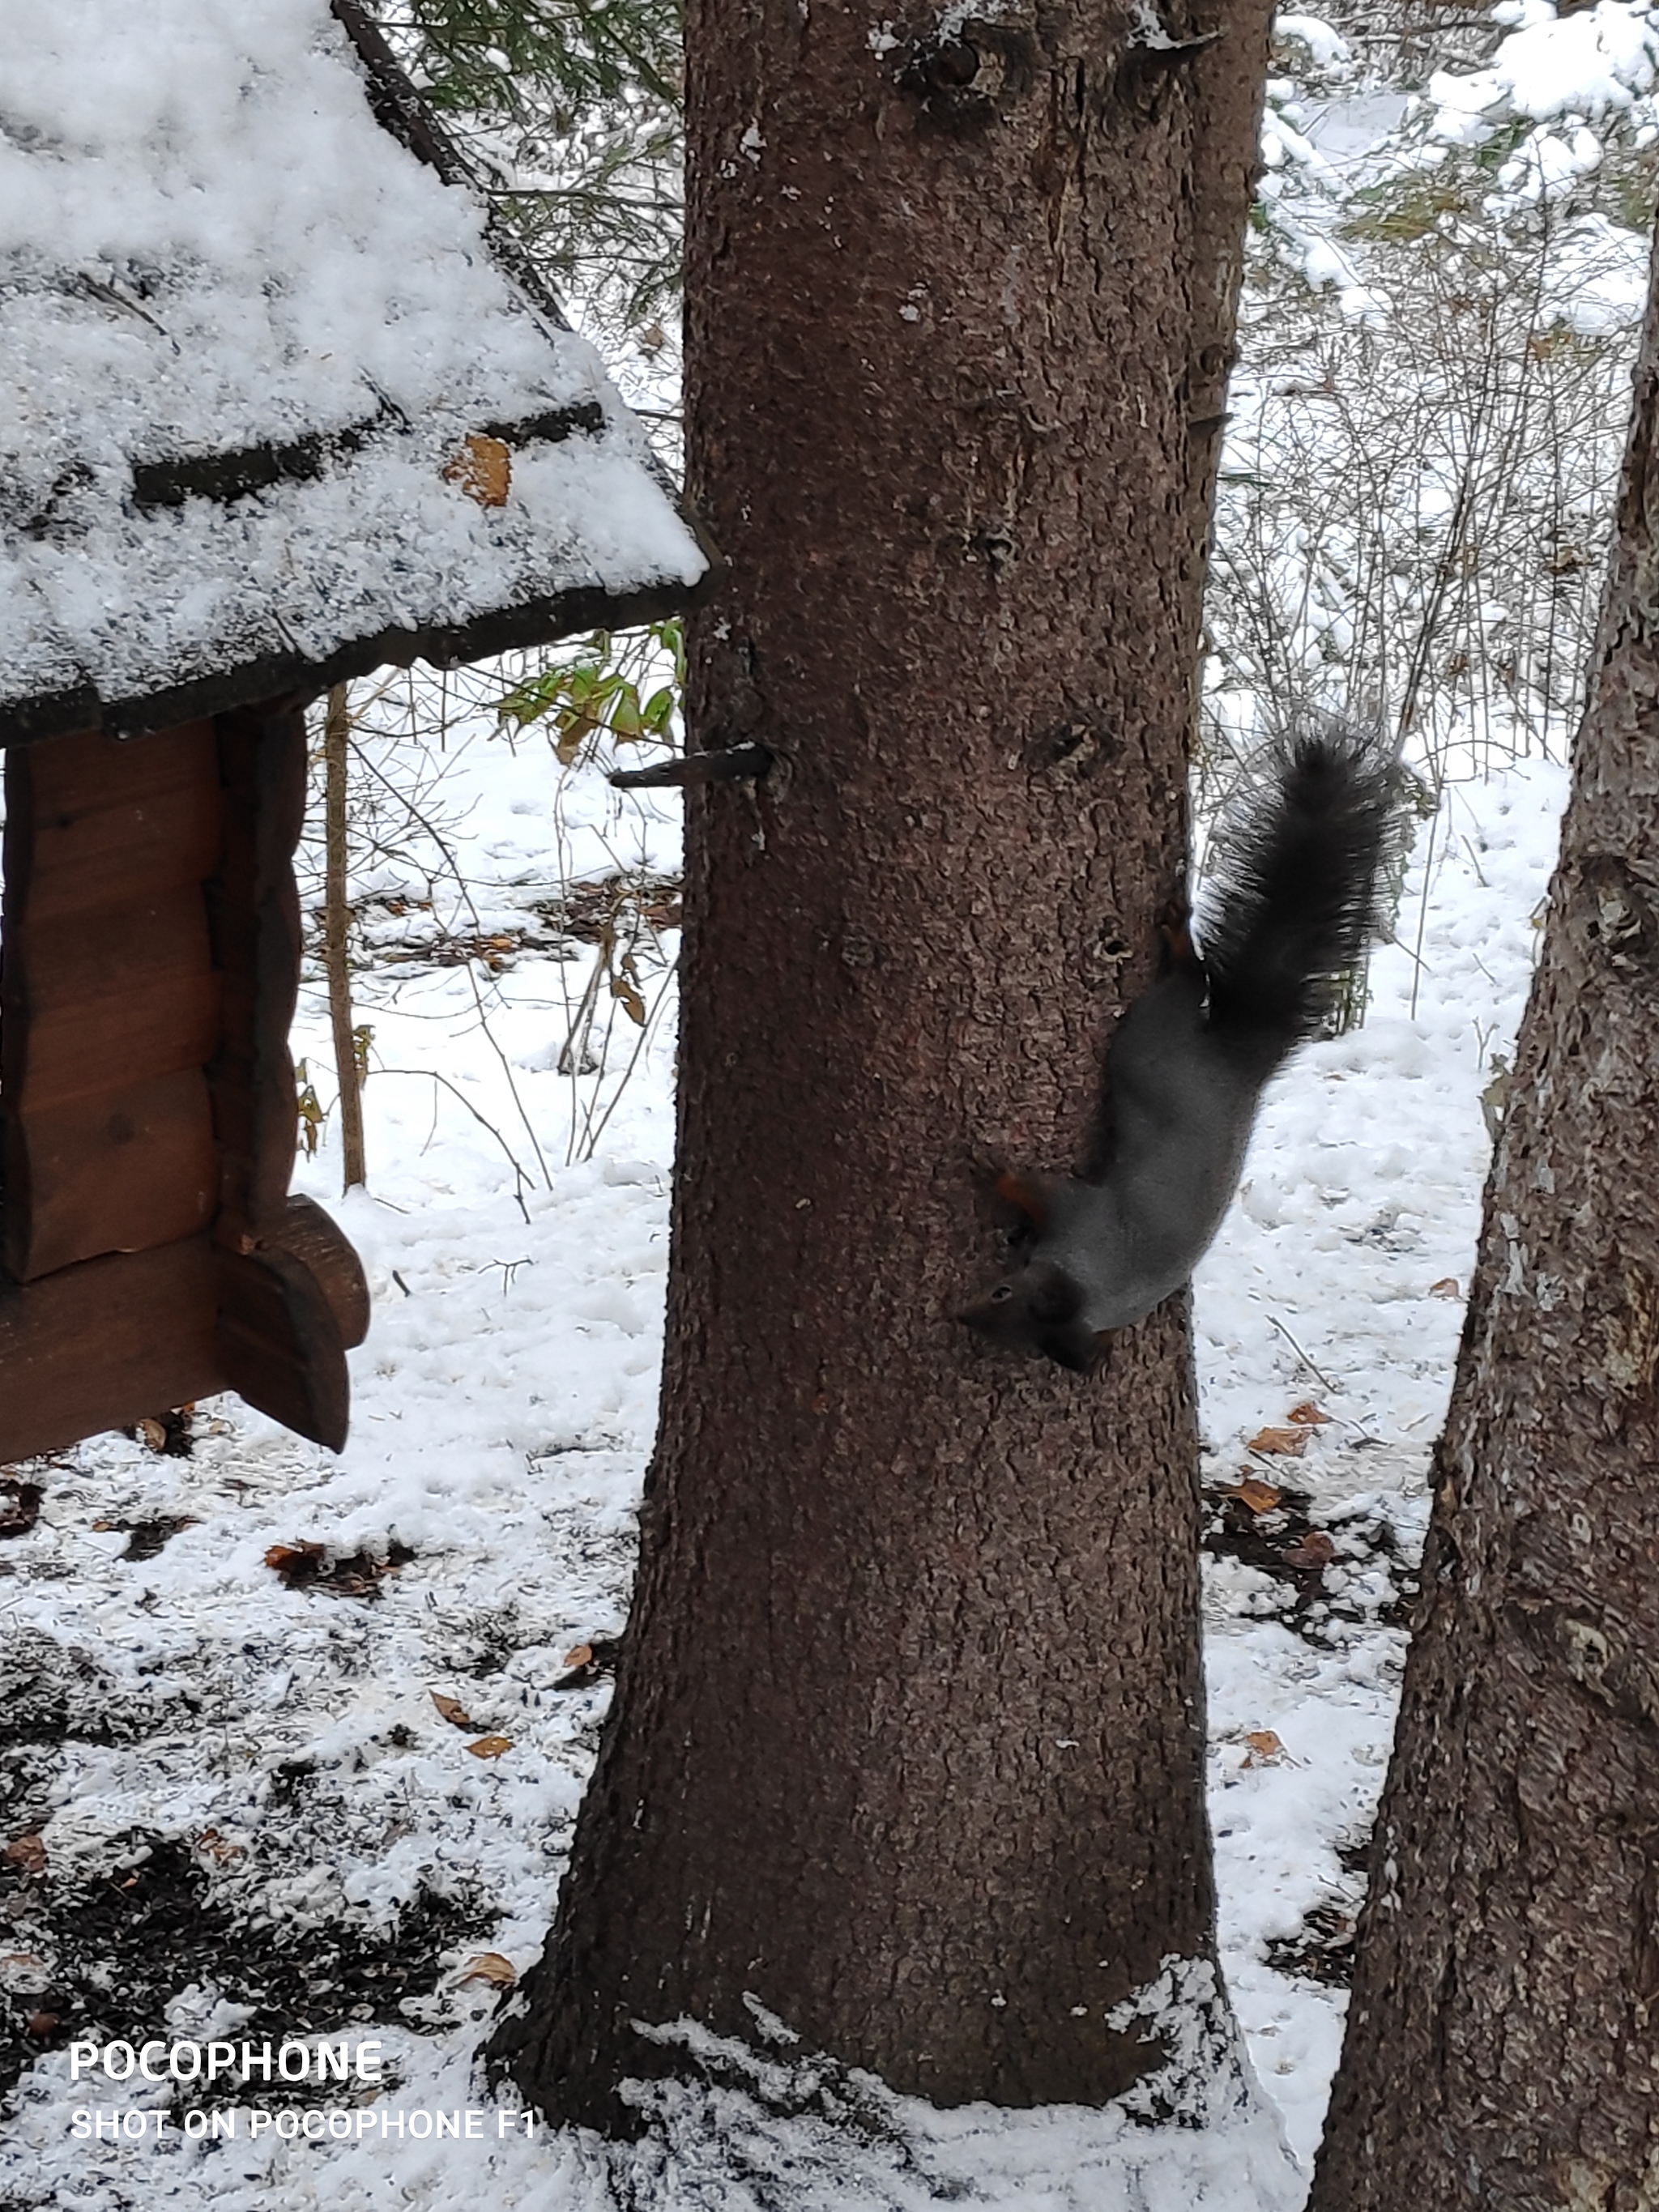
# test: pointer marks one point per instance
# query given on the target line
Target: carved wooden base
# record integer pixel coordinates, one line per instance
(100, 1345)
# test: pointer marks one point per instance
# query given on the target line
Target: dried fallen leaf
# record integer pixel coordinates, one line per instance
(1289, 1441)
(169, 1433)
(1308, 1415)
(28, 1853)
(632, 1004)
(1254, 1497)
(482, 469)
(146, 1538)
(296, 1562)
(1265, 1747)
(218, 1848)
(452, 1710)
(491, 1746)
(490, 1967)
(307, 1565)
(588, 1663)
(1445, 1288)
(1316, 1550)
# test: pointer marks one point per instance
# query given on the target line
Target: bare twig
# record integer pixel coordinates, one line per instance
(431, 1075)
(1317, 1372)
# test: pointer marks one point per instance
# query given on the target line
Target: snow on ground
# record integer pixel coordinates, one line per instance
(254, 1779)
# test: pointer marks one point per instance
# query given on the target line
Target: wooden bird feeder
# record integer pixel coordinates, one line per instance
(151, 1252)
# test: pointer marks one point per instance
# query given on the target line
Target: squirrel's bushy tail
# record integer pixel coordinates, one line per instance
(1294, 884)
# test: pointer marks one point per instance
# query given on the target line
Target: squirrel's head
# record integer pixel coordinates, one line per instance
(1038, 1309)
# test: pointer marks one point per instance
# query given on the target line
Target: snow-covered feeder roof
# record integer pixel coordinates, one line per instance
(245, 330)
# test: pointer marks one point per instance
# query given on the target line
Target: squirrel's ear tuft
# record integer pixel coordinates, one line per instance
(1031, 1193)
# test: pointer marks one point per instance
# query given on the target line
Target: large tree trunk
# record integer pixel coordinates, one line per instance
(1504, 2042)
(910, 1734)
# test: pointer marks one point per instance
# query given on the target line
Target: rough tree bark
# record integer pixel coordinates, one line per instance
(1503, 2047)
(909, 1732)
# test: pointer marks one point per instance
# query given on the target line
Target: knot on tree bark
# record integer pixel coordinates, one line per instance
(964, 78)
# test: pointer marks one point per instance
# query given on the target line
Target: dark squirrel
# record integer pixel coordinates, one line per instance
(1291, 901)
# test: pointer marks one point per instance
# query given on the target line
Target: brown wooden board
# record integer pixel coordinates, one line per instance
(129, 774)
(118, 1170)
(100, 951)
(94, 823)
(99, 1346)
(168, 1022)
(280, 1341)
(280, 1345)
(255, 911)
(109, 998)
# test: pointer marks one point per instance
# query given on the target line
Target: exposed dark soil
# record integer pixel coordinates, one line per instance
(119, 1949)
(19, 1506)
(309, 1566)
(1321, 1950)
(1296, 1550)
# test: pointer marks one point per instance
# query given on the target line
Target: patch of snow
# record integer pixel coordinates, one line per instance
(1580, 64)
(1326, 48)
(1345, 130)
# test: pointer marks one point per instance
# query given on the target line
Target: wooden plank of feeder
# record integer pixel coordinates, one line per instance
(129, 990)
(309, 1235)
(111, 997)
(255, 908)
(102, 1041)
(121, 1170)
(99, 1346)
(153, 925)
(281, 1340)
(111, 821)
(280, 1345)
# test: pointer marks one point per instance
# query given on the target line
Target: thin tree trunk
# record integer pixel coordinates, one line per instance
(908, 1742)
(1504, 2042)
(336, 923)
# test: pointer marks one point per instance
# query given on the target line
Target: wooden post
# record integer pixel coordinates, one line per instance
(336, 920)
(284, 1327)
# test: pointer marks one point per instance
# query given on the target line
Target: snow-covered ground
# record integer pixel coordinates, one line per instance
(247, 1798)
